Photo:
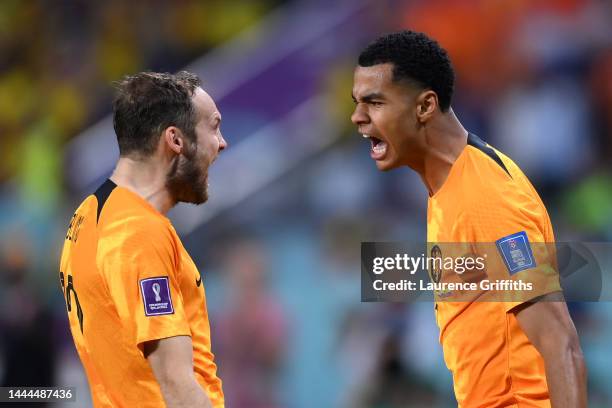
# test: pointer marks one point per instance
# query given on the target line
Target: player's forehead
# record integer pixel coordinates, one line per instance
(204, 104)
(374, 79)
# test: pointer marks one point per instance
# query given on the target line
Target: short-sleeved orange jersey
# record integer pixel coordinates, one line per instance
(127, 279)
(485, 198)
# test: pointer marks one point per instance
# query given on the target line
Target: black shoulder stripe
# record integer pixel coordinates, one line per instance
(478, 143)
(102, 194)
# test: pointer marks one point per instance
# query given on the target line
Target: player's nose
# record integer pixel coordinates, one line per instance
(359, 116)
(222, 142)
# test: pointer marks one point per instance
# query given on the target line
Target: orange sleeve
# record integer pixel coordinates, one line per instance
(512, 228)
(143, 282)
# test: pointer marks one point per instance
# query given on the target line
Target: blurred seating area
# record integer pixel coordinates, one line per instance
(281, 262)
(58, 59)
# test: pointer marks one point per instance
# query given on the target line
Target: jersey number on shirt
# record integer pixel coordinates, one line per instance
(67, 294)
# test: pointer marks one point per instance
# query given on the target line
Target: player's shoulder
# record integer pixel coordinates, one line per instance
(146, 224)
(491, 165)
(136, 235)
(140, 223)
(490, 169)
(87, 206)
(123, 215)
(494, 180)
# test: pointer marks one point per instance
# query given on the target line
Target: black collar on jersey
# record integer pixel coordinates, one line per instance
(479, 144)
(102, 194)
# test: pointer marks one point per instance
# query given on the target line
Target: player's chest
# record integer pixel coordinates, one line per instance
(447, 223)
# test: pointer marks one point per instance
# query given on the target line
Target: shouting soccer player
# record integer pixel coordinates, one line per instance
(501, 354)
(135, 299)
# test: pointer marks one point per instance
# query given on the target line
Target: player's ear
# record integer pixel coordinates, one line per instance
(426, 104)
(173, 138)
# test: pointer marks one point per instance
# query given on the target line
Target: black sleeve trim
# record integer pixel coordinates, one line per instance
(102, 194)
(479, 144)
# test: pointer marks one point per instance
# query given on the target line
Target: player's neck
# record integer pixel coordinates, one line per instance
(445, 140)
(145, 178)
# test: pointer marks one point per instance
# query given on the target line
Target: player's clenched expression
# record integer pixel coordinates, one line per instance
(188, 178)
(385, 113)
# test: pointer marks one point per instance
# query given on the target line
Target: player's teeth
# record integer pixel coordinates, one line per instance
(380, 147)
(366, 136)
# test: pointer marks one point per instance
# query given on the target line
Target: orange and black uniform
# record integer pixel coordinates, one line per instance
(127, 279)
(487, 199)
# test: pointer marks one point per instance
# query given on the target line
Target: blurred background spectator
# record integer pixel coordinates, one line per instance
(534, 78)
(250, 330)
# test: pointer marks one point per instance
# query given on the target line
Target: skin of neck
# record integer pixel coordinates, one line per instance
(443, 138)
(147, 177)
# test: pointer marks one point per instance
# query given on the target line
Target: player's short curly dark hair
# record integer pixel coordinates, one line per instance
(147, 103)
(416, 58)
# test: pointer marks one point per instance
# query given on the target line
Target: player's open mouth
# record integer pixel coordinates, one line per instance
(379, 147)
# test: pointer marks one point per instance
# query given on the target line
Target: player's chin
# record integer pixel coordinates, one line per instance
(201, 195)
(386, 164)
(194, 195)
(197, 199)
(200, 191)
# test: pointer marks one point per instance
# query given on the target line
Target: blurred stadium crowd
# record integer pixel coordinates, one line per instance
(282, 264)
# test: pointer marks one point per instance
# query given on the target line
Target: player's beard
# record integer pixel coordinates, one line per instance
(187, 181)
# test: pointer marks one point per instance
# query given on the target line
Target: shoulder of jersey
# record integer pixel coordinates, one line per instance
(119, 209)
(498, 179)
(496, 165)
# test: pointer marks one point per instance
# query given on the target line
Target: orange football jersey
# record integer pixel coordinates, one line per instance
(487, 199)
(127, 279)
